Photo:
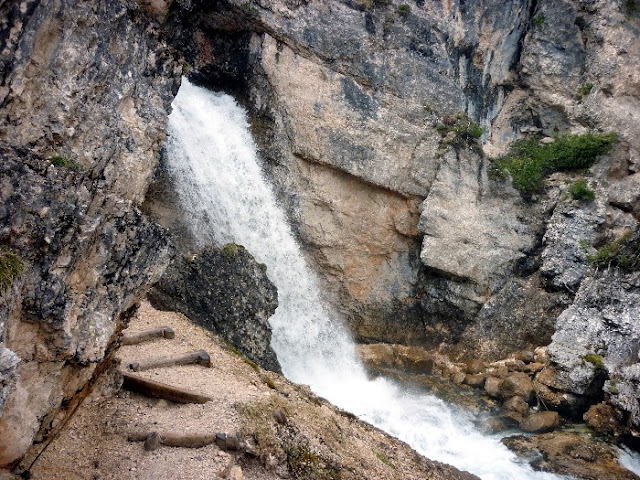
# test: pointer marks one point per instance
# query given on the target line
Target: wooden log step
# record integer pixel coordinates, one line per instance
(200, 357)
(190, 440)
(150, 388)
(145, 336)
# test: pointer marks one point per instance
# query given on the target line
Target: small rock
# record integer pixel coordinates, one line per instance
(458, 378)
(492, 386)
(516, 404)
(500, 424)
(280, 417)
(235, 473)
(525, 356)
(515, 365)
(533, 367)
(227, 442)
(602, 417)
(516, 384)
(541, 355)
(500, 371)
(475, 366)
(152, 442)
(547, 140)
(540, 422)
(474, 380)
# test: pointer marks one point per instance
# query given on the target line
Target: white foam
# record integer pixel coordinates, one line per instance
(213, 159)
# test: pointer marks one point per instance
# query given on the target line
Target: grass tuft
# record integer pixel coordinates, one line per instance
(579, 190)
(11, 266)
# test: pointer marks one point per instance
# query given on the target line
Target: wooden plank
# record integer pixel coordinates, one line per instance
(147, 335)
(155, 389)
(200, 357)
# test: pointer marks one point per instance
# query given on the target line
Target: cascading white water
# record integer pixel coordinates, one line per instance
(213, 160)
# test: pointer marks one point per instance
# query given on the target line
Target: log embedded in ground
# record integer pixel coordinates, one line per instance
(140, 337)
(152, 388)
(190, 440)
(200, 357)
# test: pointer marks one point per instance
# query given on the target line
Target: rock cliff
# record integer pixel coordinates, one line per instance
(350, 102)
(228, 292)
(84, 88)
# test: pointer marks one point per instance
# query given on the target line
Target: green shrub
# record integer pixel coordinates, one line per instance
(403, 9)
(623, 253)
(538, 20)
(529, 161)
(459, 128)
(579, 190)
(64, 162)
(11, 266)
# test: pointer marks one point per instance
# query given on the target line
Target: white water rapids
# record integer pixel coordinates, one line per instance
(212, 158)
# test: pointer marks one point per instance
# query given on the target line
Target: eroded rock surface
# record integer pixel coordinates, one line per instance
(85, 86)
(226, 291)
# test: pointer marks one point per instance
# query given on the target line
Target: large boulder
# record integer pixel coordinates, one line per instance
(226, 291)
(540, 422)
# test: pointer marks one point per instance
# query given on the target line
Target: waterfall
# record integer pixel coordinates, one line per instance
(213, 160)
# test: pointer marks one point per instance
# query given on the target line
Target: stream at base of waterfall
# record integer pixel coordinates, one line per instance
(212, 159)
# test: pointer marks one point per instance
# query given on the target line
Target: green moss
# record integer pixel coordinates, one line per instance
(230, 250)
(595, 360)
(579, 190)
(11, 266)
(263, 267)
(63, 162)
(529, 161)
(403, 9)
(538, 20)
(585, 89)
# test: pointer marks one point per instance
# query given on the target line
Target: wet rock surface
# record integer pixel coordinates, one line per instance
(568, 453)
(226, 291)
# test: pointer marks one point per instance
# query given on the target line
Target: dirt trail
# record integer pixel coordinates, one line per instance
(316, 440)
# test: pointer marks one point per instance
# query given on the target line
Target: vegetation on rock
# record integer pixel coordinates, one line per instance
(64, 162)
(623, 252)
(538, 20)
(579, 190)
(595, 360)
(459, 128)
(529, 161)
(230, 249)
(11, 266)
(585, 89)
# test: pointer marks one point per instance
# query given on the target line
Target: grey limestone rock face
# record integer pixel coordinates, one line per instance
(226, 291)
(572, 226)
(598, 337)
(90, 83)
(87, 258)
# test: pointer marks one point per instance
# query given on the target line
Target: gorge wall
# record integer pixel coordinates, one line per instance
(346, 99)
(416, 242)
(85, 88)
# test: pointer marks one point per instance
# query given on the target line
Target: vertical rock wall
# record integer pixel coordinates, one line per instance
(346, 97)
(85, 86)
